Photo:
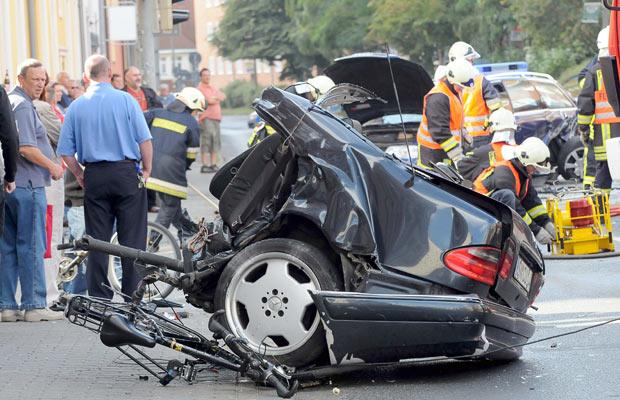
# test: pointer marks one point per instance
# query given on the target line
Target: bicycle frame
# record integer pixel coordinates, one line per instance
(129, 326)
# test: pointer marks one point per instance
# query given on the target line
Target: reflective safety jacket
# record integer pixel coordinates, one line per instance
(259, 133)
(479, 159)
(508, 174)
(176, 137)
(442, 123)
(594, 108)
(478, 102)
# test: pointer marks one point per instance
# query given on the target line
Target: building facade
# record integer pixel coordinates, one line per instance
(208, 14)
(48, 30)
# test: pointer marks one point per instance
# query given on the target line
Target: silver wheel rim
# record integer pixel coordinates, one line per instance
(268, 304)
(574, 162)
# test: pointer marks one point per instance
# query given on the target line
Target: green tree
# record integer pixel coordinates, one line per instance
(330, 29)
(425, 29)
(555, 36)
(259, 29)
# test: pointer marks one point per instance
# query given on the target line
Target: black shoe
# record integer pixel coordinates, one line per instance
(57, 306)
(205, 169)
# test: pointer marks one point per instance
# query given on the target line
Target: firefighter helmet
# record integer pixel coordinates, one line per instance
(192, 98)
(602, 42)
(502, 124)
(462, 50)
(321, 83)
(460, 72)
(534, 152)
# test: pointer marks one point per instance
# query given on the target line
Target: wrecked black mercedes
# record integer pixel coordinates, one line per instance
(331, 252)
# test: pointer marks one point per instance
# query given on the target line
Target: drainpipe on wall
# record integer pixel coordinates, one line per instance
(32, 32)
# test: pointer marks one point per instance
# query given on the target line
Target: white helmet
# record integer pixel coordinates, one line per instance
(502, 124)
(440, 72)
(602, 42)
(462, 50)
(461, 72)
(192, 98)
(535, 152)
(321, 83)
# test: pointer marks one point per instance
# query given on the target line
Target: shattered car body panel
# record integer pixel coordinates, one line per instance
(415, 326)
(390, 227)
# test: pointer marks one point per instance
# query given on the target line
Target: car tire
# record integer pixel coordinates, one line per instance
(570, 159)
(263, 291)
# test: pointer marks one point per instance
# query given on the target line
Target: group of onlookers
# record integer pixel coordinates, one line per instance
(101, 182)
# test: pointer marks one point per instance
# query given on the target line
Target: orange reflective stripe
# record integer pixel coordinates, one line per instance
(497, 150)
(603, 112)
(475, 109)
(480, 188)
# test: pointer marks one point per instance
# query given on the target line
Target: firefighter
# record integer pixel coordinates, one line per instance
(589, 162)
(441, 136)
(509, 182)
(176, 141)
(503, 127)
(595, 109)
(479, 101)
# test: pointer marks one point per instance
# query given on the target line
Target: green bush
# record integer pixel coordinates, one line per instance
(240, 94)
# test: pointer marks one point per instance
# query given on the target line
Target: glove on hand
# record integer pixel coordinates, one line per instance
(550, 228)
(584, 131)
(456, 155)
(544, 237)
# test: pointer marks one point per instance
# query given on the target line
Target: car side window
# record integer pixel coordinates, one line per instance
(552, 96)
(522, 94)
(503, 95)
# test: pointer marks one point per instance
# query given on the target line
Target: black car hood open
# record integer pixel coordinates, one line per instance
(362, 199)
(372, 71)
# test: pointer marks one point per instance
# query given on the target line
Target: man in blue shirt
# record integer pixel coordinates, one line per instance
(105, 127)
(24, 240)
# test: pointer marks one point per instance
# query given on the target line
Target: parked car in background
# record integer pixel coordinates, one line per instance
(542, 107)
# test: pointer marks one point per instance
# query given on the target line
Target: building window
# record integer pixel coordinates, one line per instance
(212, 65)
(210, 30)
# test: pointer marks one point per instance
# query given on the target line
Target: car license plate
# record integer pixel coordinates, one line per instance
(523, 274)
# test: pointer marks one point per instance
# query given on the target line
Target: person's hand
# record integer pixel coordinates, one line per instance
(9, 186)
(145, 175)
(56, 171)
(80, 178)
(543, 237)
(584, 131)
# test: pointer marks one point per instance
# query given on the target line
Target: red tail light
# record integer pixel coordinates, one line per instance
(477, 263)
(504, 270)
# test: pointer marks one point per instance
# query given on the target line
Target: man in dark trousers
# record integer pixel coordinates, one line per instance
(176, 140)
(108, 132)
(8, 138)
(148, 100)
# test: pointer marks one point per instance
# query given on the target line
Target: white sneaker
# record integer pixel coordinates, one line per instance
(42, 314)
(12, 315)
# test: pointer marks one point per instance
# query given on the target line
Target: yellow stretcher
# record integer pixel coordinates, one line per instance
(582, 222)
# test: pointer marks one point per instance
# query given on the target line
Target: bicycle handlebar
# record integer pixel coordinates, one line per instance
(259, 368)
(281, 389)
(65, 246)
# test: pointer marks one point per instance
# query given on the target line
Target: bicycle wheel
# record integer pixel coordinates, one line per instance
(159, 241)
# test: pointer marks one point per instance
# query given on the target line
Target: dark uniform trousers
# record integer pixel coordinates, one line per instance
(170, 211)
(113, 193)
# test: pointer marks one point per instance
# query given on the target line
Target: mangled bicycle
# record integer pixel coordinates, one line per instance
(133, 325)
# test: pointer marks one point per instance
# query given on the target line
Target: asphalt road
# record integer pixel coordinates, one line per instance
(54, 360)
